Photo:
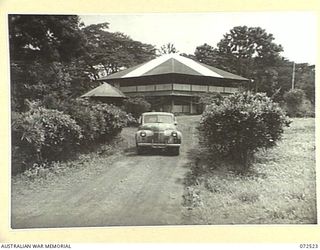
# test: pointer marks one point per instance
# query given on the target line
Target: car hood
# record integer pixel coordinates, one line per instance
(158, 126)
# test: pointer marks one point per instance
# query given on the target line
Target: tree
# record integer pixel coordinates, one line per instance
(108, 52)
(191, 56)
(54, 58)
(206, 54)
(44, 37)
(248, 47)
(42, 50)
(168, 48)
(249, 52)
(305, 80)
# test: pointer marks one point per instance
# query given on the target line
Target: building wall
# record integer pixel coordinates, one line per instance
(173, 93)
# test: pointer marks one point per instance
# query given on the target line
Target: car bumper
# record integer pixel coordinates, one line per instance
(157, 145)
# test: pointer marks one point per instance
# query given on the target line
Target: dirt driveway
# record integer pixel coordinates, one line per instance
(122, 189)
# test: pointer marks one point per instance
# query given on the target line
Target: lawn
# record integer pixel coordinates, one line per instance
(280, 187)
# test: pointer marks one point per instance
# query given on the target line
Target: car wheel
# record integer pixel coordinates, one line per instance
(175, 150)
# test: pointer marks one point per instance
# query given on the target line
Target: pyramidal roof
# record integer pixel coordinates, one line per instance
(104, 90)
(173, 63)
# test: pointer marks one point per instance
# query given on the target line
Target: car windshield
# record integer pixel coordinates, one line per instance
(158, 119)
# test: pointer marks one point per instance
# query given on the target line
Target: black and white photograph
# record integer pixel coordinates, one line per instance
(162, 119)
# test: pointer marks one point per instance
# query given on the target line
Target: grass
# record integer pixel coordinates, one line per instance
(280, 188)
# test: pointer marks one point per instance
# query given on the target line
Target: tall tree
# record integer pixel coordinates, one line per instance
(44, 37)
(109, 52)
(54, 58)
(168, 48)
(42, 47)
(305, 80)
(209, 55)
(247, 50)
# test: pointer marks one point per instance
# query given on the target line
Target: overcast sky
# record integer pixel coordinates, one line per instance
(295, 31)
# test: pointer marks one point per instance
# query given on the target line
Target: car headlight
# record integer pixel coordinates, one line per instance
(143, 134)
(174, 134)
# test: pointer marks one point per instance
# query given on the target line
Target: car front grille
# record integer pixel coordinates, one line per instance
(158, 137)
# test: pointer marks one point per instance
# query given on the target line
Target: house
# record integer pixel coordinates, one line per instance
(107, 94)
(174, 83)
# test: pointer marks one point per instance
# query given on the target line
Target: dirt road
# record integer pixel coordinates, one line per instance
(123, 189)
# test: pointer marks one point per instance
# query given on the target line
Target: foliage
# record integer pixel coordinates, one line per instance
(43, 134)
(305, 80)
(246, 51)
(241, 124)
(108, 52)
(43, 49)
(168, 48)
(209, 98)
(208, 55)
(99, 122)
(206, 99)
(263, 195)
(252, 53)
(54, 58)
(136, 106)
(296, 103)
(44, 37)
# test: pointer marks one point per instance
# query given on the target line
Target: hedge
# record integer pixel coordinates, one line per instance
(41, 135)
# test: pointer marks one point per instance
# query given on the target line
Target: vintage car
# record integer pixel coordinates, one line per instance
(158, 130)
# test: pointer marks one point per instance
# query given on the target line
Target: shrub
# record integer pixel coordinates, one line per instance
(99, 122)
(42, 134)
(241, 124)
(296, 104)
(209, 98)
(136, 106)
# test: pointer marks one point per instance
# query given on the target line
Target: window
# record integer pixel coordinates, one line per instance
(164, 86)
(127, 89)
(230, 90)
(142, 88)
(200, 88)
(215, 89)
(158, 119)
(183, 87)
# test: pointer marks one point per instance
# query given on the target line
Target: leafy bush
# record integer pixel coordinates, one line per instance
(296, 104)
(209, 98)
(99, 122)
(136, 106)
(241, 124)
(42, 134)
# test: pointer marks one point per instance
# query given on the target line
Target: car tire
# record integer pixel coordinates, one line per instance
(175, 150)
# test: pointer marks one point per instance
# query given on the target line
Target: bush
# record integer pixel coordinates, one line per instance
(241, 124)
(206, 99)
(99, 122)
(296, 104)
(136, 106)
(42, 134)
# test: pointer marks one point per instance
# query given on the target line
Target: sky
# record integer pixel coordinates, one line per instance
(295, 31)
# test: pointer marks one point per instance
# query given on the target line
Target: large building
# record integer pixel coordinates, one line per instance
(173, 83)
